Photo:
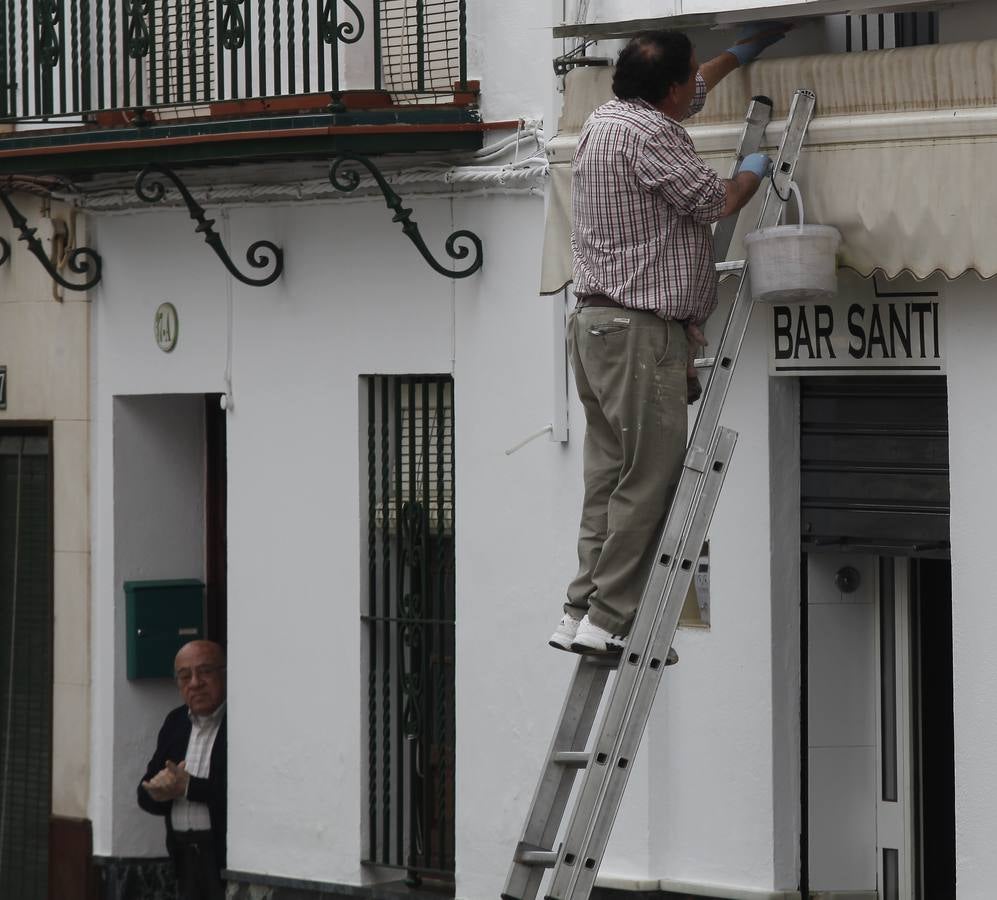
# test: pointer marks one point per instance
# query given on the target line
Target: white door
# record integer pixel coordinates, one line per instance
(894, 832)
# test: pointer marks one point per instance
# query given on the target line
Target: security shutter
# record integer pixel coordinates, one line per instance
(25, 665)
(874, 464)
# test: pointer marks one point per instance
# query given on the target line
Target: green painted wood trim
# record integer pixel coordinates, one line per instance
(93, 160)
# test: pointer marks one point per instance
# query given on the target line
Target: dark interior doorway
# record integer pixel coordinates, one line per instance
(215, 526)
(934, 743)
(25, 661)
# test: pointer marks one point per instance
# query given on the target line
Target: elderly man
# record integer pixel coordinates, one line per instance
(642, 204)
(185, 779)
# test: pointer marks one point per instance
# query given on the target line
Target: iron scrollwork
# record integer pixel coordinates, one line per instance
(150, 187)
(233, 25)
(48, 15)
(349, 180)
(410, 609)
(139, 40)
(345, 32)
(81, 261)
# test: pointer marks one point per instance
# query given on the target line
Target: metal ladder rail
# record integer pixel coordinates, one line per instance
(533, 854)
(758, 117)
(636, 682)
(566, 754)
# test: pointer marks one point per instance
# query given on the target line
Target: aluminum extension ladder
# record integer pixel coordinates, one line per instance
(607, 763)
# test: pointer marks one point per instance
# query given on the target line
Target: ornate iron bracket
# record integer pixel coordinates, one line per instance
(345, 32)
(81, 260)
(349, 180)
(150, 187)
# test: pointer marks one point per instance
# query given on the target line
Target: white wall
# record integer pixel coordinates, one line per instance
(970, 323)
(158, 533)
(842, 724)
(355, 299)
(711, 728)
(141, 271)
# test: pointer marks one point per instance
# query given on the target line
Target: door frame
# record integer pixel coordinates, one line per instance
(894, 782)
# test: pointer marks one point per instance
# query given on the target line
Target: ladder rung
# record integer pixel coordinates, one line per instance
(572, 759)
(705, 362)
(535, 856)
(731, 265)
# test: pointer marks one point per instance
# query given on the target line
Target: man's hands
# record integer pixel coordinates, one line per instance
(169, 783)
(741, 188)
(754, 38)
(757, 163)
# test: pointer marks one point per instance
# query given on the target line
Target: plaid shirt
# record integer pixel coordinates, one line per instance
(643, 201)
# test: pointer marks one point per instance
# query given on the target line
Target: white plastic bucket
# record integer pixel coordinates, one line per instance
(793, 263)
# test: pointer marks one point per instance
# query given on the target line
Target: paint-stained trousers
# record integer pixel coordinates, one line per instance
(630, 372)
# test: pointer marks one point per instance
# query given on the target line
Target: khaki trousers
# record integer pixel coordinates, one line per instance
(630, 372)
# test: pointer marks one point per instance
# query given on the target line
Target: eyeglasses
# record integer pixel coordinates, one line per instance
(185, 676)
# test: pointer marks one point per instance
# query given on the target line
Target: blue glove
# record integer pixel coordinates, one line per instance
(754, 38)
(756, 163)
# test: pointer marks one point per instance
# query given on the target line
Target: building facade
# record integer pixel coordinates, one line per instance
(372, 468)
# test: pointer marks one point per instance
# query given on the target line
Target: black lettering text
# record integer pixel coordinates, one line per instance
(856, 330)
(823, 328)
(919, 310)
(803, 335)
(899, 332)
(782, 331)
(876, 335)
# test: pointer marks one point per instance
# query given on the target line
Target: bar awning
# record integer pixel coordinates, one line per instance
(901, 157)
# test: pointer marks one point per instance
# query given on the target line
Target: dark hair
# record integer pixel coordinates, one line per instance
(650, 64)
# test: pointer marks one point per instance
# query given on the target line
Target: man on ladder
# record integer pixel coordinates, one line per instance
(643, 202)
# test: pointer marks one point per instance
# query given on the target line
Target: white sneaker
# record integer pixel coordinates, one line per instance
(590, 638)
(564, 634)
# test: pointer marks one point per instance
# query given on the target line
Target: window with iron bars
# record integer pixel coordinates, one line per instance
(422, 47)
(182, 59)
(885, 31)
(409, 614)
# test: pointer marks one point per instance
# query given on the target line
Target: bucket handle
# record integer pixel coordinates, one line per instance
(794, 189)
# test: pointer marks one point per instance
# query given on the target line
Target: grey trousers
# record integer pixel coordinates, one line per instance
(630, 372)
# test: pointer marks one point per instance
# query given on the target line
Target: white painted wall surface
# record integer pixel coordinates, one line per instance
(970, 323)
(842, 723)
(711, 728)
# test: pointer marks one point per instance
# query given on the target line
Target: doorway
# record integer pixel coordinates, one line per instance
(933, 736)
(879, 796)
(25, 661)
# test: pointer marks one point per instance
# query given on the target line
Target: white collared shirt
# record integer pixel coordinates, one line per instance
(184, 814)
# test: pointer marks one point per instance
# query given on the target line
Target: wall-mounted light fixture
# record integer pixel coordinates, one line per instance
(847, 579)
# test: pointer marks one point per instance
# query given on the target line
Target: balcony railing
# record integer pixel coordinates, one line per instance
(64, 59)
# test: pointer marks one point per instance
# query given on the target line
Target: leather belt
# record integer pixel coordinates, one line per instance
(600, 300)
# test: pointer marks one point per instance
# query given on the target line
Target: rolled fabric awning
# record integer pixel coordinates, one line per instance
(900, 157)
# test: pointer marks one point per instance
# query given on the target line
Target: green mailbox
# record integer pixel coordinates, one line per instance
(160, 617)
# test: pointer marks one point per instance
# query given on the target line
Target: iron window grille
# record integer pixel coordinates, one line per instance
(409, 625)
(884, 31)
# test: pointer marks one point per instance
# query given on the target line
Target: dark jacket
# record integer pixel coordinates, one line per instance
(172, 745)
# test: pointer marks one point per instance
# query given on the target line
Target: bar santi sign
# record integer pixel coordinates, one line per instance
(892, 335)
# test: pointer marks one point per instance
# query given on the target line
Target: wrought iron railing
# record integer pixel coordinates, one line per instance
(70, 58)
(409, 625)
